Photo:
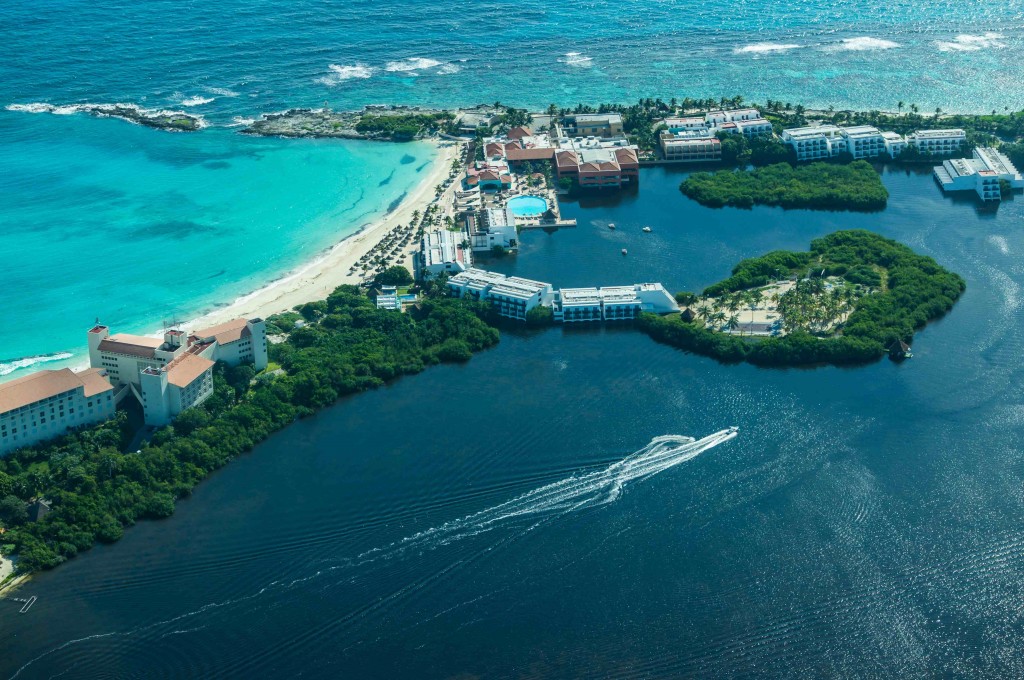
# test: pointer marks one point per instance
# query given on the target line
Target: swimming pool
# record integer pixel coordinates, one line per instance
(527, 206)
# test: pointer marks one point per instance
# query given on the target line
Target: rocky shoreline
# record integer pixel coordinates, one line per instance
(306, 123)
(173, 121)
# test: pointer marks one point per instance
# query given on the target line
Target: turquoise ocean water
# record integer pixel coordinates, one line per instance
(103, 219)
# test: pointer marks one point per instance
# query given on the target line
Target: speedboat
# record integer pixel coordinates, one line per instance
(646, 230)
(624, 251)
(611, 225)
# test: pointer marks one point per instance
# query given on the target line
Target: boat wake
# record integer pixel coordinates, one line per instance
(571, 494)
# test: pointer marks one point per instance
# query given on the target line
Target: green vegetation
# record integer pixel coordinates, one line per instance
(913, 290)
(540, 316)
(856, 186)
(396, 275)
(96, 490)
(402, 127)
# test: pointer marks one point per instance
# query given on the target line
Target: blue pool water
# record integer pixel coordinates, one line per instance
(527, 206)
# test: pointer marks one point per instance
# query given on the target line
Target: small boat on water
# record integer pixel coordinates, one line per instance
(624, 251)
(646, 230)
(611, 225)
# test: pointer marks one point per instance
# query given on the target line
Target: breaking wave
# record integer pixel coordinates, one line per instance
(8, 367)
(766, 48)
(102, 110)
(971, 43)
(340, 74)
(411, 64)
(577, 60)
(222, 91)
(197, 101)
(863, 44)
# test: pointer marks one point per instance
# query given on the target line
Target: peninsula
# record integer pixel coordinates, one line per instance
(849, 300)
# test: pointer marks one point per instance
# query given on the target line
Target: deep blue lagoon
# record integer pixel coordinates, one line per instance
(865, 522)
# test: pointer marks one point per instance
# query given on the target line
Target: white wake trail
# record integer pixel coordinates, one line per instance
(586, 490)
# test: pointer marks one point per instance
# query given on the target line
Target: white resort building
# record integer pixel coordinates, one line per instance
(49, 403)
(982, 173)
(828, 141)
(185, 382)
(513, 297)
(693, 139)
(938, 142)
(164, 374)
(441, 252)
(612, 303)
(493, 227)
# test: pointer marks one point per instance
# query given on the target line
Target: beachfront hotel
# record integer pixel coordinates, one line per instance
(492, 228)
(937, 142)
(828, 141)
(592, 125)
(49, 403)
(168, 390)
(135, 362)
(441, 252)
(983, 173)
(598, 163)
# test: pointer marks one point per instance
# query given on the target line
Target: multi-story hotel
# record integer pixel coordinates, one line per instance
(692, 149)
(815, 143)
(511, 296)
(983, 173)
(597, 162)
(612, 303)
(441, 252)
(185, 382)
(592, 124)
(493, 227)
(133, 360)
(49, 403)
(937, 142)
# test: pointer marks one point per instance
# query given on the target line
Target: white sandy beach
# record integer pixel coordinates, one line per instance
(316, 279)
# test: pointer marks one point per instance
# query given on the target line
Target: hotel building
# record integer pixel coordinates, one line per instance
(597, 162)
(612, 303)
(937, 142)
(982, 173)
(592, 124)
(440, 253)
(691, 149)
(493, 227)
(828, 141)
(135, 361)
(511, 296)
(49, 403)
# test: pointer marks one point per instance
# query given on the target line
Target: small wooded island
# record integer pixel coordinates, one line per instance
(848, 300)
(829, 186)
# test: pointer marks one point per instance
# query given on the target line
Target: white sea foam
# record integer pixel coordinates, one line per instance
(222, 91)
(972, 43)
(411, 64)
(448, 69)
(766, 48)
(863, 44)
(103, 110)
(340, 73)
(239, 121)
(197, 101)
(8, 367)
(576, 60)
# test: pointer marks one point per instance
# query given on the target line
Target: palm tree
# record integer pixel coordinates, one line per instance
(717, 318)
(734, 323)
(899, 106)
